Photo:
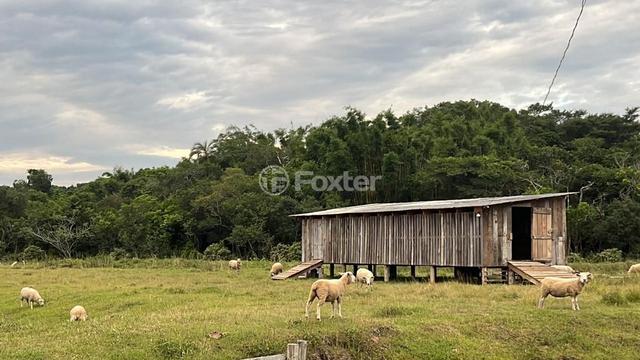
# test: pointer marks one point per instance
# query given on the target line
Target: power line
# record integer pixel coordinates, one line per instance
(564, 53)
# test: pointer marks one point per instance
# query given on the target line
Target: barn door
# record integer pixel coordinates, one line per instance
(541, 234)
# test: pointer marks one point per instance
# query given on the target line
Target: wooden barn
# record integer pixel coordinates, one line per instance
(518, 235)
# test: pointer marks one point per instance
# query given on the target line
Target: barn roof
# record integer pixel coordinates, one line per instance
(431, 205)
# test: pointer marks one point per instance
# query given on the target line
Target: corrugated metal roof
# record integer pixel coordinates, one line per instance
(431, 205)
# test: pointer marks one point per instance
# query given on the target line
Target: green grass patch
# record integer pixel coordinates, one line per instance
(166, 309)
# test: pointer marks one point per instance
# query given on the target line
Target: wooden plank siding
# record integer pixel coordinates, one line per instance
(424, 238)
(451, 237)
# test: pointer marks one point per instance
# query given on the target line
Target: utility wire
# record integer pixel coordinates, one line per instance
(564, 53)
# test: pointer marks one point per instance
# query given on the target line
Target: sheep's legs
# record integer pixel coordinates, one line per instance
(333, 310)
(31, 304)
(306, 308)
(320, 303)
(340, 308)
(541, 302)
(574, 303)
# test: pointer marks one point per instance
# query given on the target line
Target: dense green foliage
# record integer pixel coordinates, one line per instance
(453, 150)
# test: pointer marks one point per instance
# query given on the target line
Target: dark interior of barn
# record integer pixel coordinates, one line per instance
(521, 227)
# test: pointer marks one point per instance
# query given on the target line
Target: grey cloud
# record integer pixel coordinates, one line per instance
(94, 81)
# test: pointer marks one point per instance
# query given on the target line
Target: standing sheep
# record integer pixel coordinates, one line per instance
(30, 295)
(366, 277)
(276, 269)
(566, 268)
(558, 287)
(78, 313)
(634, 269)
(235, 265)
(331, 291)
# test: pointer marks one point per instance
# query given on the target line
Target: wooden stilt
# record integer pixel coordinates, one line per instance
(484, 276)
(511, 278)
(355, 269)
(413, 272)
(387, 273)
(432, 274)
(332, 270)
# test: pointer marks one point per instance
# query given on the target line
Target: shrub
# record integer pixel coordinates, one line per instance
(284, 252)
(217, 251)
(633, 296)
(32, 252)
(119, 253)
(575, 257)
(608, 255)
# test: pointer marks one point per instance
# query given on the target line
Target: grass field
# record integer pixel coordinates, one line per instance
(165, 309)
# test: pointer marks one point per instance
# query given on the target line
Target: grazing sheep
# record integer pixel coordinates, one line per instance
(331, 291)
(235, 264)
(276, 269)
(366, 277)
(13, 264)
(30, 295)
(78, 313)
(634, 269)
(566, 268)
(558, 287)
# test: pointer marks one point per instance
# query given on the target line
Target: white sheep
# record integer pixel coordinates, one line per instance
(30, 295)
(566, 268)
(366, 277)
(329, 290)
(559, 287)
(13, 264)
(235, 264)
(78, 313)
(276, 269)
(634, 269)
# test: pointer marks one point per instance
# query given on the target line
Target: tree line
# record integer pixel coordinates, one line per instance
(211, 204)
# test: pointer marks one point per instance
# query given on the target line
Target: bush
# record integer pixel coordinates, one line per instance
(217, 251)
(32, 253)
(119, 253)
(283, 252)
(608, 255)
(575, 257)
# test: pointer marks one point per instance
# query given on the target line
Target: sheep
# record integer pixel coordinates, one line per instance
(558, 287)
(235, 264)
(634, 269)
(13, 264)
(329, 290)
(78, 313)
(30, 295)
(566, 268)
(276, 269)
(366, 277)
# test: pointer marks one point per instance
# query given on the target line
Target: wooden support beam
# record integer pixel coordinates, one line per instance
(321, 272)
(332, 270)
(370, 267)
(355, 269)
(484, 276)
(375, 270)
(413, 272)
(511, 278)
(302, 350)
(387, 273)
(432, 274)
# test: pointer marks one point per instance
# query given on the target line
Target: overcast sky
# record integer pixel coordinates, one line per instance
(85, 87)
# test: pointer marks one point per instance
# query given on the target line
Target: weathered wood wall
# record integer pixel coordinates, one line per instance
(425, 238)
(438, 238)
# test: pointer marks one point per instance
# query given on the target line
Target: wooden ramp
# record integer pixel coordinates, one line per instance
(534, 271)
(299, 269)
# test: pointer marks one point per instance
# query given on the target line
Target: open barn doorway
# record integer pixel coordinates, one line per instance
(521, 228)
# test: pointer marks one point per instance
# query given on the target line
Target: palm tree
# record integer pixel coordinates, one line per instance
(202, 150)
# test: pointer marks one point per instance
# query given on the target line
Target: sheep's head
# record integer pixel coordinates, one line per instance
(41, 302)
(584, 277)
(349, 276)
